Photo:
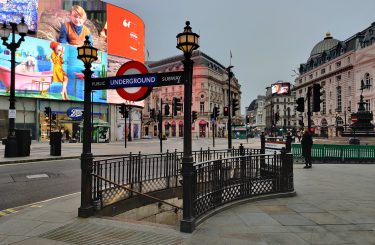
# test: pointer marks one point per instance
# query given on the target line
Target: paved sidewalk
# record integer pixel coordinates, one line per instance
(40, 151)
(335, 204)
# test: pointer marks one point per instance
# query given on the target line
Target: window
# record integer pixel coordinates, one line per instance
(368, 105)
(338, 64)
(368, 80)
(201, 107)
(311, 76)
(338, 78)
(338, 98)
(323, 71)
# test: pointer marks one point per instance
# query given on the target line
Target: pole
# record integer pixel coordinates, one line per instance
(50, 123)
(125, 136)
(188, 222)
(161, 125)
(86, 209)
(130, 124)
(11, 144)
(213, 133)
(230, 74)
(309, 109)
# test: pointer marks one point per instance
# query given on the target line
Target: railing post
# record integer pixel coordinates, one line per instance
(243, 170)
(131, 167)
(209, 154)
(139, 172)
(201, 155)
(167, 168)
(262, 143)
(285, 166)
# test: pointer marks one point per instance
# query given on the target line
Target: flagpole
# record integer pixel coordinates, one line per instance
(230, 57)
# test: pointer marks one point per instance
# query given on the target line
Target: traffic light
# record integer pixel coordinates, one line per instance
(226, 111)
(194, 115)
(177, 105)
(216, 112)
(54, 116)
(166, 110)
(300, 104)
(247, 119)
(152, 114)
(235, 106)
(122, 109)
(47, 111)
(317, 97)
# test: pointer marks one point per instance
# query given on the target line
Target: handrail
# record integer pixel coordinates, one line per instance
(139, 193)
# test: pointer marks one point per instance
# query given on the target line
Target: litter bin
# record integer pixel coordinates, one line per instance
(354, 141)
(55, 142)
(23, 142)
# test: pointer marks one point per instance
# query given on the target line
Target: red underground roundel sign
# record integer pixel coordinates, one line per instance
(133, 93)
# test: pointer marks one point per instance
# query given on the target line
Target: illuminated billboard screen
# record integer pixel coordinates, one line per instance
(68, 23)
(41, 72)
(280, 88)
(13, 10)
(126, 33)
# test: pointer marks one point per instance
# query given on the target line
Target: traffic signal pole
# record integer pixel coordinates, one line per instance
(160, 125)
(230, 74)
(309, 108)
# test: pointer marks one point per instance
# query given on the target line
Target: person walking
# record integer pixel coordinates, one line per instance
(306, 144)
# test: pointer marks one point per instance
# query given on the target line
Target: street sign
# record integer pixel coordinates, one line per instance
(132, 93)
(137, 80)
(354, 118)
(12, 113)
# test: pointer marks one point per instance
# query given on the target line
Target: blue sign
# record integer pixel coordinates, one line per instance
(75, 113)
(139, 80)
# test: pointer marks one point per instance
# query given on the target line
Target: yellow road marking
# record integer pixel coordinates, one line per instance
(2, 214)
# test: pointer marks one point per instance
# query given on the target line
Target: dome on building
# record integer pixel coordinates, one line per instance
(326, 44)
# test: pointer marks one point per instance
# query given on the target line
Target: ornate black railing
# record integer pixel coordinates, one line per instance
(224, 180)
(145, 173)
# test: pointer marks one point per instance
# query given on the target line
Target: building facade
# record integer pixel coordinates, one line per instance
(256, 114)
(340, 67)
(210, 89)
(279, 111)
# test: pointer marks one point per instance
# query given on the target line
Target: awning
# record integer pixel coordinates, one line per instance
(181, 123)
(202, 122)
(173, 123)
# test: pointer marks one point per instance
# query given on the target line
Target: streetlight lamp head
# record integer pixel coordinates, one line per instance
(4, 32)
(22, 27)
(87, 53)
(187, 41)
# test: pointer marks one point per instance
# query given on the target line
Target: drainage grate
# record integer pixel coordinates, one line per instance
(88, 233)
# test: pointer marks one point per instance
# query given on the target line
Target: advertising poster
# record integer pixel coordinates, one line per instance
(13, 10)
(69, 23)
(49, 70)
(280, 88)
(126, 33)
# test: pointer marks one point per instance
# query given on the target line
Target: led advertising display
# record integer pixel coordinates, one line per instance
(280, 88)
(49, 70)
(126, 33)
(13, 10)
(69, 23)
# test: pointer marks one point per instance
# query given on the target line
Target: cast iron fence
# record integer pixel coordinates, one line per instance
(221, 181)
(145, 173)
(325, 152)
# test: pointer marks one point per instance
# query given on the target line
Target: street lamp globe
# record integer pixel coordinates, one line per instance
(22, 28)
(87, 53)
(187, 41)
(4, 32)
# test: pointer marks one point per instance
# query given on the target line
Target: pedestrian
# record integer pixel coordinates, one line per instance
(306, 144)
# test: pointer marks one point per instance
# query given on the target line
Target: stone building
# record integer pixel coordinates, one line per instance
(339, 67)
(210, 89)
(257, 114)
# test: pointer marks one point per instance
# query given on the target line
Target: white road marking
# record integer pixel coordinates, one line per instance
(37, 176)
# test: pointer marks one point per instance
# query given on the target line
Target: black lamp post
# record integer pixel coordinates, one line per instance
(87, 54)
(187, 42)
(230, 75)
(11, 143)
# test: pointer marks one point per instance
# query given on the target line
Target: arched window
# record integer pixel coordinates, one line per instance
(368, 80)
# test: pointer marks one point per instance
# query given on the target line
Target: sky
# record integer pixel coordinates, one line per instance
(268, 38)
